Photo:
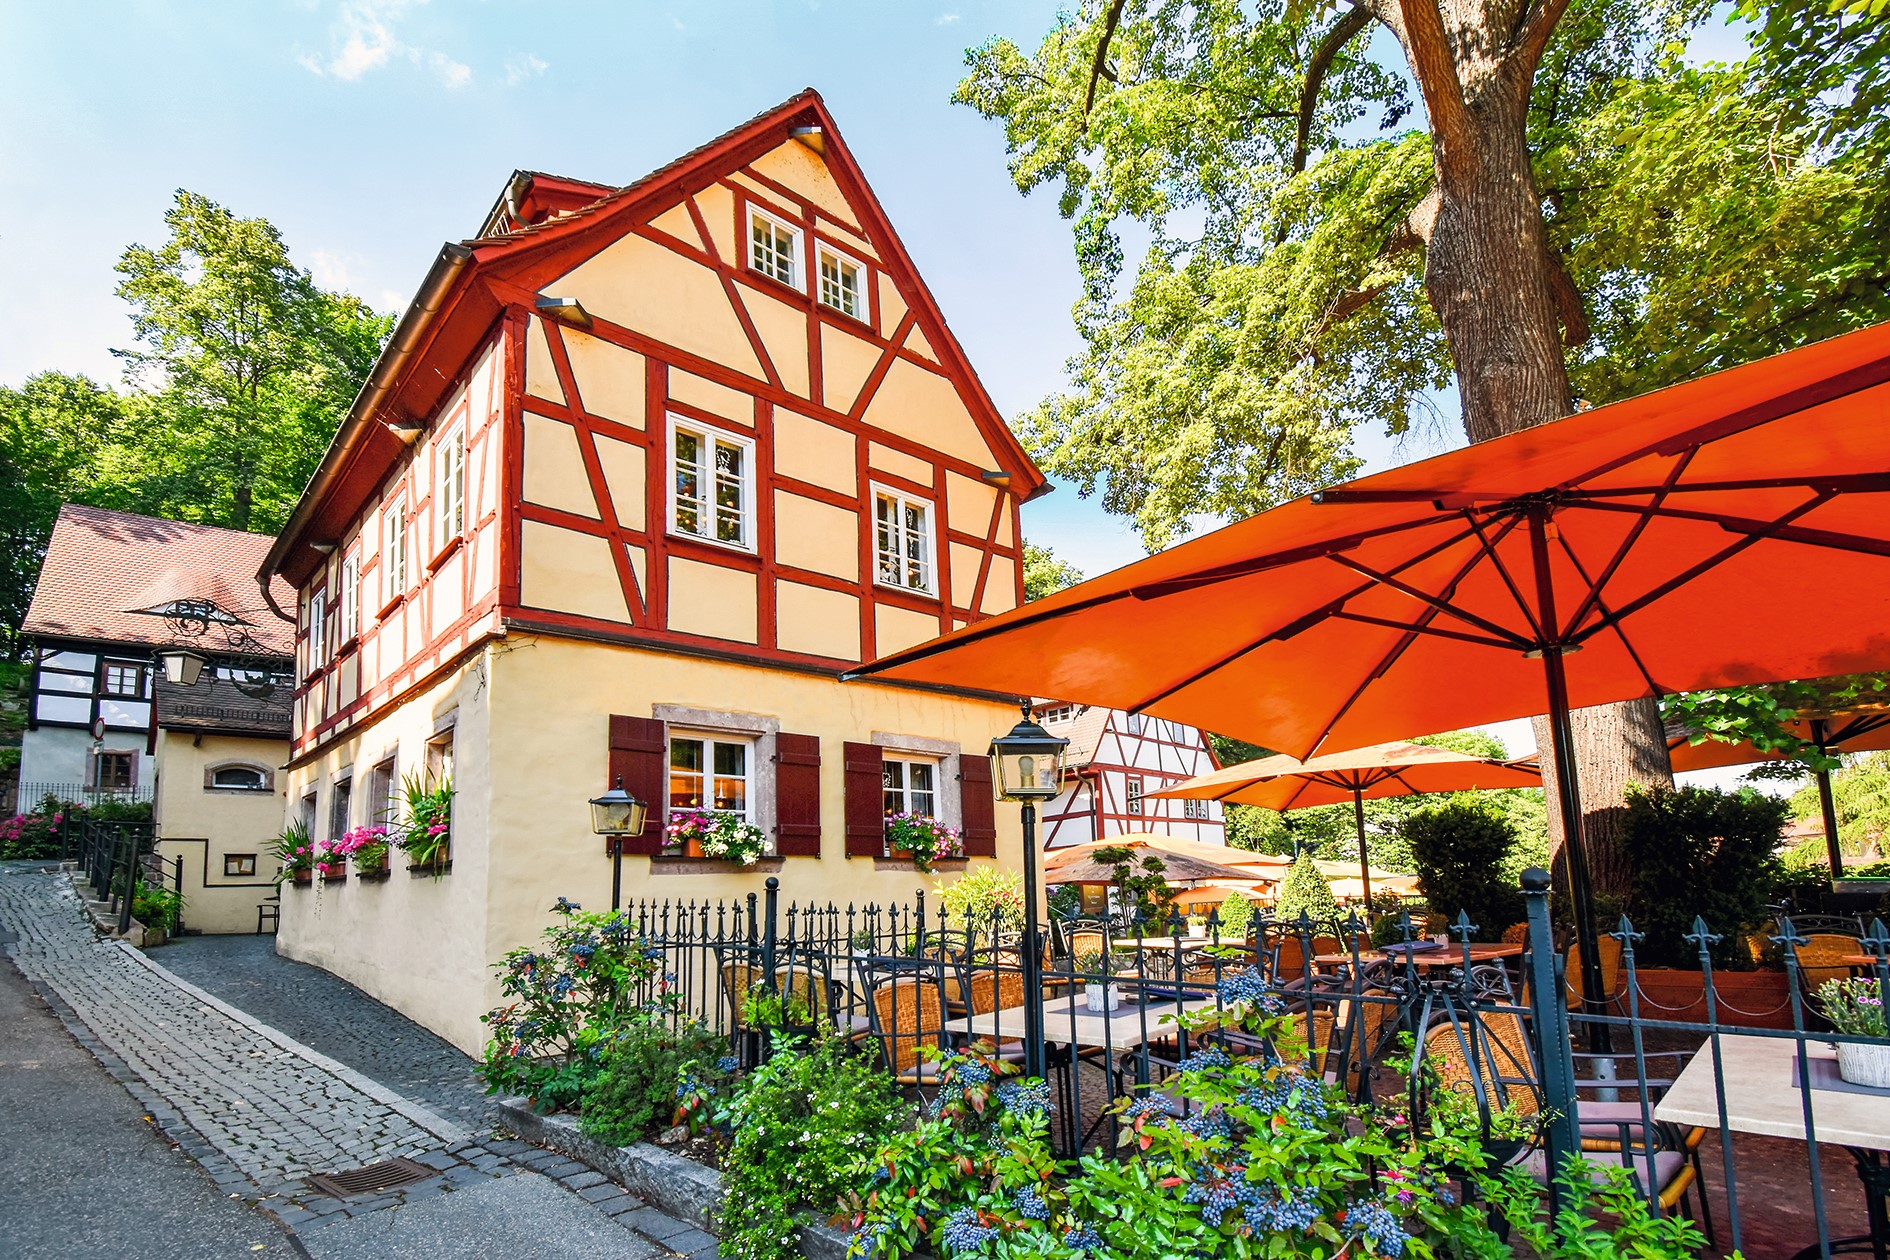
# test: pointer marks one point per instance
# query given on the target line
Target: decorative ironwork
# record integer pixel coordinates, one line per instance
(202, 625)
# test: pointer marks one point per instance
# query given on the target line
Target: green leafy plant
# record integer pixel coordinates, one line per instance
(1601, 1215)
(424, 830)
(157, 907)
(1234, 915)
(293, 851)
(1142, 891)
(1697, 851)
(588, 978)
(1461, 848)
(801, 1126)
(983, 900)
(640, 1070)
(767, 1007)
(1305, 890)
(37, 834)
(924, 838)
(1854, 1006)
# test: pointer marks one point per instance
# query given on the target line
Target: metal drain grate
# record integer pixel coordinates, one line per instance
(389, 1174)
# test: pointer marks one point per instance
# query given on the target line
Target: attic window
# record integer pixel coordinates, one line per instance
(774, 248)
(841, 283)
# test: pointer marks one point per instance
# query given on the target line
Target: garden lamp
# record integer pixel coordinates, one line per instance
(1027, 766)
(616, 815)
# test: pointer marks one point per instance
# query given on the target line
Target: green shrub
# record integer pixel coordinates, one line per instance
(1305, 890)
(802, 1127)
(155, 907)
(1235, 914)
(1697, 851)
(640, 1066)
(984, 899)
(1460, 848)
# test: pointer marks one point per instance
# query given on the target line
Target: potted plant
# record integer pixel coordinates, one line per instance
(367, 848)
(922, 839)
(728, 837)
(1855, 1007)
(1099, 995)
(331, 861)
(425, 832)
(296, 855)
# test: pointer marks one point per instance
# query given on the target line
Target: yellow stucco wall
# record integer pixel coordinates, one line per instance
(417, 944)
(653, 289)
(202, 825)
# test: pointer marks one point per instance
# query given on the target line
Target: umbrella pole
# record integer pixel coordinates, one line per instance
(1827, 804)
(1568, 787)
(1364, 859)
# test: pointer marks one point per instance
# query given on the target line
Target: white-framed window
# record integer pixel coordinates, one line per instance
(394, 551)
(348, 601)
(710, 772)
(1134, 724)
(774, 247)
(1132, 795)
(1197, 810)
(317, 629)
(842, 283)
(124, 680)
(1061, 712)
(239, 779)
(450, 487)
(714, 485)
(902, 532)
(911, 785)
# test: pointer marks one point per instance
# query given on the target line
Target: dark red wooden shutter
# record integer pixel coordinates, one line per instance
(797, 795)
(866, 801)
(976, 806)
(639, 755)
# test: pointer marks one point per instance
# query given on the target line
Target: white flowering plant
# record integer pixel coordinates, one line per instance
(925, 839)
(717, 835)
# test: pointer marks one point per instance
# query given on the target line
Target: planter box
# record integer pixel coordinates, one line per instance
(1746, 999)
(680, 1187)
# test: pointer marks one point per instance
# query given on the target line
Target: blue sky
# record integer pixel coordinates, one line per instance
(369, 131)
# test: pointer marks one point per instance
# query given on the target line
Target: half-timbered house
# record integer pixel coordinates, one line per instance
(642, 471)
(1115, 764)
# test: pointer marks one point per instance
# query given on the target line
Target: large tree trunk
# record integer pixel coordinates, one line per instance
(1506, 304)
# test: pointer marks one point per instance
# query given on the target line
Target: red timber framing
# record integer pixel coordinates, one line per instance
(1095, 803)
(482, 300)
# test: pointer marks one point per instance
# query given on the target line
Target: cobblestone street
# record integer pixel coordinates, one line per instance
(240, 1090)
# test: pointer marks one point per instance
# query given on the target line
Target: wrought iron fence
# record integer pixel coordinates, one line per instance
(1674, 1076)
(32, 793)
(115, 856)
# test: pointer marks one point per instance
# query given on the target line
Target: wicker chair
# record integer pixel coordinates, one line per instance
(908, 1013)
(1818, 958)
(1608, 950)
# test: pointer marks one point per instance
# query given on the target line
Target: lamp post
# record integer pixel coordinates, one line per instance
(617, 815)
(1027, 766)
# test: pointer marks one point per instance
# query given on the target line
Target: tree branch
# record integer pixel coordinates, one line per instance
(1096, 68)
(1354, 21)
(1435, 67)
(1532, 40)
(1568, 299)
(1412, 232)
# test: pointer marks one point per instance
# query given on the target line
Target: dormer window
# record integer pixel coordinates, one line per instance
(842, 284)
(774, 248)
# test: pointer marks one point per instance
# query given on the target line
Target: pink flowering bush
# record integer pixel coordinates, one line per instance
(295, 852)
(30, 835)
(366, 847)
(925, 838)
(725, 836)
(425, 829)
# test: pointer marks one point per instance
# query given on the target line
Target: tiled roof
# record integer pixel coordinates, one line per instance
(102, 568)
(1085, 732)
(218, 705)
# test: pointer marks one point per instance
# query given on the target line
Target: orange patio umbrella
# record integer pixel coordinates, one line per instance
(1633, 549)
(1395, 769)
(1848, 730)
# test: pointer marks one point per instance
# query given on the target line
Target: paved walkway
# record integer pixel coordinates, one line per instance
(259, 1109)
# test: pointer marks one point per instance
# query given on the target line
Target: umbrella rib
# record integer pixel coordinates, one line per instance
(1781, 529)
(1841, 483)
(1681, 579)
(1489, 549)
(1593, 598)
(1860, 724)
(1278, 559)
(1405, 588)
(1291, 628)
(1459, 635)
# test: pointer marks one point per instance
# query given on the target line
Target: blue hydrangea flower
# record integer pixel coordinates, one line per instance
(566, 906)
(1378, 1226)
(727, 1063)
(866, 1241)
(1210, 1123)
(1025, 1099)
(1030, 1204)
(965, 1232)
(1205, 1059)
(563, 985)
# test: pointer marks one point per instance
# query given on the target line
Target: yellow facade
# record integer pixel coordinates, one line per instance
(219, 832)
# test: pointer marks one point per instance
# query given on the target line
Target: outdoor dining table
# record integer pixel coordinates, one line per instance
(1763, 1096)
(1442, 956)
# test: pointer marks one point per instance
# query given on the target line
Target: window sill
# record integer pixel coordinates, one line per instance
(390, 605)
(445, 553)
(780, 287)
(430, 870)
(828, 308)
(907, 864)
(739, 549)
(347, 645)
(672, 864)
(910, 592)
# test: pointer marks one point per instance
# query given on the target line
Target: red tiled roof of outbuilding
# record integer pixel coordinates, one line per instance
(103, 568)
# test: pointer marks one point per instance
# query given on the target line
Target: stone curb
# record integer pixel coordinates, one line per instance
(441, 1128)
(681, 1187)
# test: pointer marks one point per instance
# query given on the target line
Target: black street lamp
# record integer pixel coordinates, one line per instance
(1027, 766)
(617, 815)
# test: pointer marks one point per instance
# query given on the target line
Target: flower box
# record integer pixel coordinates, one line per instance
(1745, 999)
(301, 879)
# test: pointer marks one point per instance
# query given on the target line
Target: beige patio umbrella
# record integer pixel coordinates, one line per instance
(1180, 868)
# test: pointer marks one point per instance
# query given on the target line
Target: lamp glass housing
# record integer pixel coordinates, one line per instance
(182, 668)
(1027, 764)
(617, 813)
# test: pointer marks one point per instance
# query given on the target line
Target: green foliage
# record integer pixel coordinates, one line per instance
(1860, 791)
(36, 834)
(640, 1069)
(801, 1126)
(293, 850)
(157, 907)
(1044, 574)
(424, 830)
(984, 900)
(1141, 890)
(1700, 852)
(1235, 913)
(1288, 1168)
(1762, 714)
(1304, 890)
(1854, 1006)
(1601, 1216)
(590, 977)
(1462, 850)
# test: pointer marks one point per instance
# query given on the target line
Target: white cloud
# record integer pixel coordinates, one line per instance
(945, 19)
(363, 39)
(519, 69)
(330, 270)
